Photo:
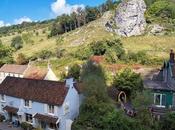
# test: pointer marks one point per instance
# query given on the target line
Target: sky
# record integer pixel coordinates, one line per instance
(18, 11)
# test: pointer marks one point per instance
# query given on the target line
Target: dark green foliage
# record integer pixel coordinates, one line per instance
(112, 48)
(44, 54)
(128, 81)
(56, 30)
(2, 118)
(74, 71)
(139, 57)
(17, 42)
(5, 55)
(161, 10)
(92, 13)
(83, 53)
(26, 126)
(168, 123)
(99, 48)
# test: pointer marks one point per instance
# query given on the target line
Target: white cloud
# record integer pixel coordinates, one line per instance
(61, 7)
(2, 24)
(22, 19)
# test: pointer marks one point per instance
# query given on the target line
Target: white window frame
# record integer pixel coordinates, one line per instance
(29, 104)
(49, 111)
(26, 118)
(3, 98)
(161, 95)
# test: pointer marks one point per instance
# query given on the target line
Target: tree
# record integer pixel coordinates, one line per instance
(96, 104)
(17, 42)
(21, 59)
(128, 81)
(74, 71)
(56, 30)
(5, 55)
(168, 123)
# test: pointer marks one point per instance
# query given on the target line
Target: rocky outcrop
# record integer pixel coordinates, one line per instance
(129, 18)
(157, 30)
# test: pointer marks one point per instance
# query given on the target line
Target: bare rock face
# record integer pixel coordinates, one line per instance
(129, 18)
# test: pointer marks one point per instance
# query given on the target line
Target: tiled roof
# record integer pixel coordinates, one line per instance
(46, 118)
(97, 59)
(11, 109)
(50, 92)
(11, 68)
(35, 73)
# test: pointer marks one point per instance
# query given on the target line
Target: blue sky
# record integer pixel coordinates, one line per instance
(16, 11)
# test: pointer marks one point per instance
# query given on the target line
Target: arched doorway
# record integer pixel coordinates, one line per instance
(122, 97)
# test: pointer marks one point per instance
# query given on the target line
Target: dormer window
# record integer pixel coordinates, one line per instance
(2, 97)
(27, 103)
(50, 109)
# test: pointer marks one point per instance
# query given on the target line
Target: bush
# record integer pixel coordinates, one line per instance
(83, 53)
(2, 118)
(74, 71)
(26, 126)
(99, 48)
(17, 42)
(21, 59)
(128, 81)
(168, 123)
(45, 54)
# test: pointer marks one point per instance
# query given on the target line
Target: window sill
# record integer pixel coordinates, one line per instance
(27, 107)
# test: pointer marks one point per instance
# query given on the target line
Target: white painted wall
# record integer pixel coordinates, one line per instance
(3, 75)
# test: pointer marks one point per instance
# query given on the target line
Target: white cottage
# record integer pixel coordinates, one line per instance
(27, 71)
(50, 105)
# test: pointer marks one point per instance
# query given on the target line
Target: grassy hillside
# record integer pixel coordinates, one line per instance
(36, 41)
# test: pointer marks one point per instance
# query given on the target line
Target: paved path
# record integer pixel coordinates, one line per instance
(4, 126)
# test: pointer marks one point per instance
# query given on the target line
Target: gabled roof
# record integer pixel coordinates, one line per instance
(35, 73)
(11, 68)
(49, 92)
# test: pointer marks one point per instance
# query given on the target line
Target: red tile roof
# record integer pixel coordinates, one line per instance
(46, 118)
(35, 73)
(97, 59)
(11, 68)
(50, 92)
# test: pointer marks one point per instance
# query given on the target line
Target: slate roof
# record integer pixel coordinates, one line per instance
(46, 118)
(11, 68)
(50, 92)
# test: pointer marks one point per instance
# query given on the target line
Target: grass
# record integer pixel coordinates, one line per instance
(155, 46)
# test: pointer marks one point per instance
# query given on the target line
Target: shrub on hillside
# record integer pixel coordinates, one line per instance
(17, 42)
(21, 59)
(44, 54)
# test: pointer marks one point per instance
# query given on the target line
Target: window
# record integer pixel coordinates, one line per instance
(3, 97)
(27, 103)
(160, 100)
(29, 118)
(51, 109)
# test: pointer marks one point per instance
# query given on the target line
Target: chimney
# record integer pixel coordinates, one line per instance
(172, 56)
(70, 82)
(48, 65)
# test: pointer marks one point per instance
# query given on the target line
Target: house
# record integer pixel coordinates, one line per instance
(26, 71)
(162, 85)
(50, 105)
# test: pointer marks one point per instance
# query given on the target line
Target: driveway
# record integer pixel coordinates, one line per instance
(4, 126)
